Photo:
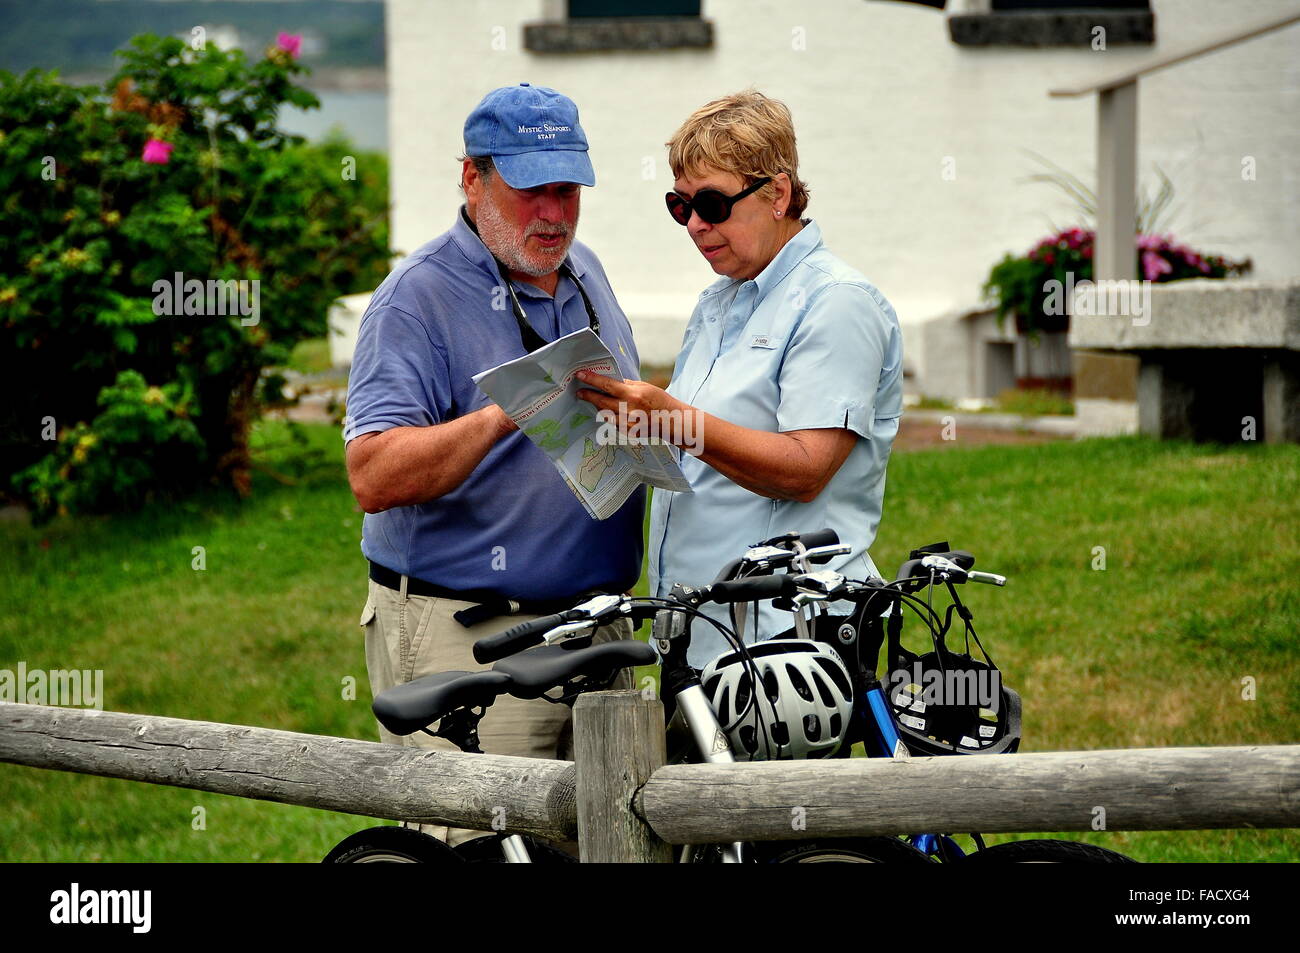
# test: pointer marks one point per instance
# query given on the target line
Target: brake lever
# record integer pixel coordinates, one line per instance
(947, 570)
(562, 633)
(599, 610)
(839, 549)
(600, 607)
(825, 583)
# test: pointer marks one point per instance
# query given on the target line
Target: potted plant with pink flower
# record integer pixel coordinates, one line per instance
(1021, 286)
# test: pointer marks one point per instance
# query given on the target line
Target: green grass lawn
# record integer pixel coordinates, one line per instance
(1198, 593)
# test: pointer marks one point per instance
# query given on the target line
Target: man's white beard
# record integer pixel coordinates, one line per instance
(505, 241)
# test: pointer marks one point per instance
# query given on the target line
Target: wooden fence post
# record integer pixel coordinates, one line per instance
(618, 742)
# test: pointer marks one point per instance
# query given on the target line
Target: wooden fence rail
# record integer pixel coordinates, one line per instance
(335, 774)
(1135, 789)
(624, 804)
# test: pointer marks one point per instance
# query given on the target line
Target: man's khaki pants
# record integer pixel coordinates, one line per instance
(408, 636)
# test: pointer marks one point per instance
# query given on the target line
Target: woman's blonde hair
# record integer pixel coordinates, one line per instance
(746, 133)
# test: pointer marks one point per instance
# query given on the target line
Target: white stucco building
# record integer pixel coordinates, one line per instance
(914, 146)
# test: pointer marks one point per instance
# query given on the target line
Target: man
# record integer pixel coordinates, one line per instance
(465, 513)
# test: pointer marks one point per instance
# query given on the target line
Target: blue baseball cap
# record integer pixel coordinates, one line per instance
(532, 135)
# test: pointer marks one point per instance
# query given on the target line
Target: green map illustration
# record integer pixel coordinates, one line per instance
(595, 461)
(553, 435)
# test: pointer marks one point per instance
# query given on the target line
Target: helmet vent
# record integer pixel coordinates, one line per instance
(812, 727)
(798, 683)
(836, 673)
(823, 689)
(742, 694)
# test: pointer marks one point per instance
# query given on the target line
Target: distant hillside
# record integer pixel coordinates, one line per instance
(79, 36)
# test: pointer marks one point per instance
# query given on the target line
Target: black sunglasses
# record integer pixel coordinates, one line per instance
(709, 204)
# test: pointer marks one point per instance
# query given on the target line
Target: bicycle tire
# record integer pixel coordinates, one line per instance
(853, 850)
(391, 845)
(487, 850)
(1046, 852)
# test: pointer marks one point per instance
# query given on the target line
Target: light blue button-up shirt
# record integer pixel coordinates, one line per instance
(808, 344)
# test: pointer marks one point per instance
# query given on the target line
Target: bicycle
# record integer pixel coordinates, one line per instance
(457, 700)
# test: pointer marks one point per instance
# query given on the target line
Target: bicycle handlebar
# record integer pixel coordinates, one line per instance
(809, 540)
(525, 635)
(953, 566)
(820, 537)
(748, 590)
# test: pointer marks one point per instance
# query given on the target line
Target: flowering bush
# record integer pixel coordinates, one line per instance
(1020, 285)
(126, 214)
(139, 432)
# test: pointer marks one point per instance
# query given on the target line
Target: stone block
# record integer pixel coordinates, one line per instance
(1200, 313)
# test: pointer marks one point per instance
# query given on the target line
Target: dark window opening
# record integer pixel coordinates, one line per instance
(594, 26)
(1049, 23)
(633, 8)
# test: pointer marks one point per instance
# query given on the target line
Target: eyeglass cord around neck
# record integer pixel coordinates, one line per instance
(530, 338)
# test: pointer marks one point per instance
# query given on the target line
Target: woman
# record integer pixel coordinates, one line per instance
(791, 367)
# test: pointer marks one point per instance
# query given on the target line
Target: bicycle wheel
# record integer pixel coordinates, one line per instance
(1046, 852)
(391, 845)
(857, 850)
(487, 850)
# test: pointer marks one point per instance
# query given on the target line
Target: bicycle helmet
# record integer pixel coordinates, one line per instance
(951, 703)
(803, 710)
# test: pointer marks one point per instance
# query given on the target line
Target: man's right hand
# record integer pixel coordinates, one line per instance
(403, 466)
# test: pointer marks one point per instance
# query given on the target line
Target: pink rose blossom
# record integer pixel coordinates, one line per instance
(291, 43)
(1153, 266)
(157, 152)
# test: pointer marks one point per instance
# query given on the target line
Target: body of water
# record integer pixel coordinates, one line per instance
(361, 114)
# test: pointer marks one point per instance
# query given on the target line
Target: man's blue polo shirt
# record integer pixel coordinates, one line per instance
(513, 527)
(808, 344)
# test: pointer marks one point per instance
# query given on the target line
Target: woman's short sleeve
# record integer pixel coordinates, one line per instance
(844, 345)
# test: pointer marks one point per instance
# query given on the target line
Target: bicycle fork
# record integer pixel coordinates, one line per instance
(712, 744)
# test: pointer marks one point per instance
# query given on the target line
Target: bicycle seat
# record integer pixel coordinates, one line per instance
(537, 671)
(405, 709)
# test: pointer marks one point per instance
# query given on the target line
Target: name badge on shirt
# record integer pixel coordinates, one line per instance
(764, 340)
